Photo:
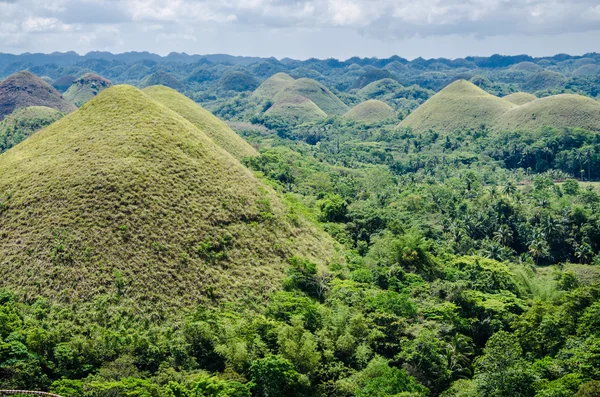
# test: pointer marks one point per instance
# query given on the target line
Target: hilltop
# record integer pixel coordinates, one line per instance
(558, 111)
(85, 88)
(23, 122)
(216, 129)
(461, 105)
(162, 78)
(520, 98)
(274, 85)
(294, 108)
(371, 111)
(63, 83)
(319, 95)
(237, 81)
(24, 89)
(380, 88)
(125, 196)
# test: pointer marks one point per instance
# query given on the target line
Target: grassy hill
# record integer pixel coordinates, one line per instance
(526, 67)
(162, 78)
(294, 108)
(273, 85)
(380, 88)
(544, 80)
(24, 89)
(23, 122)
(85, 88)
(587, 70)
(559, 111)
(216, 129)
(520, 98)
(63, 83)
(320, 95)
(125, 196)
(371, 111)
(461, 105)
(238, 82)
(371, 76)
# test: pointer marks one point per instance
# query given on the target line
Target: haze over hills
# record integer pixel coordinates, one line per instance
(127, 185)
(24, 89)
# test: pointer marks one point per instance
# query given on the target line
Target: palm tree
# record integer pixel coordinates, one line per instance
(503, 235)
(538, 247)
(509, 189)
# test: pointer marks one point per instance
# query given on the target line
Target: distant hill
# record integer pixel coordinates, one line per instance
(125, 196)
(526, 67)
(461, 105)
(23, 122)
(85, 88)
(320, 95)
(545, 80)
(520, 98)
(294, 108)
(216, 129)
(371, 111)
(162, 78)
(370, 76)
(273, 85)
(63, 83)
(24, 89)
(380, 88)
(238, 82)
(587, 70)
(559, 111)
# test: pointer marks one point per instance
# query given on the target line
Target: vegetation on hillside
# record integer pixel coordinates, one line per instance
(23, 122)
(85, 88)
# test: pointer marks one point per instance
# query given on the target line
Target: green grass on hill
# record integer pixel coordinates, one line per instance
(461, 105)
(24, 89)
(544, 80)
(294, 108)
(558, 111)
(126, 196)
(162, 78)
(587, 70)
(23, 122)
(237, 81)
(371, 111)
(216, 129)
(320, 95)
(273, 85)
(85, 88)
(520, 98)
(526, 67)
(380, 88)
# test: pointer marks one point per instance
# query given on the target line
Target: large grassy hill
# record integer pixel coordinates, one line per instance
(371, 111)
(320, 95)
(461, 105)
(23, 122)
(520, 98)
(294, 108)
(24, 89)
(559, 111)
(126, 196)
(274, 85)
(85, 88)
(216, 129)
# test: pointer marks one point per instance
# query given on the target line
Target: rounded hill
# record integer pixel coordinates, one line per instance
(380, 88)
(294, 108)
(274, 85)
(371, 111)
(162, 78)
(544, 80)
(85, 88)
(558, 111)
(237, 81)
(461, 105)
(24, 89)
(63, 83)
(126, 197)
(520, 98)
(216, 129)
(320, 95)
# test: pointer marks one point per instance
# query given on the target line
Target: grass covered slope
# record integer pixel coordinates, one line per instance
(294, 108)
(380, 88)
(24, 89)
(274, 85)
(461, 105)
(162, 78)
(520, 98)
(126, 196)
(85, 88)
(371, 111)
(202, 119)
(23, 122)
(319, 95)
(558, 111)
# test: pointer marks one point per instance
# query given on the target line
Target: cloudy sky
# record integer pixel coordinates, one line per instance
(303, 28)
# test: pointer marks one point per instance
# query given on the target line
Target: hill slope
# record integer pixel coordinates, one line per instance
(294, 108)
(520, 98)
(371, 111)
(24, 89)
(380, 88)
(461, 105)
(127, 197)
(559, 111)
(162, 78)
(238, 82)
(23, 122)
(320, 95)
(202, 119)
(274, 85)
(85, 88)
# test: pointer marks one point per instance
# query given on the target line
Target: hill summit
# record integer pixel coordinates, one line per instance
(125, 196)
(85, 88)
(371, 111)
(24, 89)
